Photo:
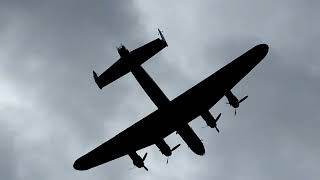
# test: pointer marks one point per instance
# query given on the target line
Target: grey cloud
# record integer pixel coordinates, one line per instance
(274, 132)
(49, 48)
(8, 160)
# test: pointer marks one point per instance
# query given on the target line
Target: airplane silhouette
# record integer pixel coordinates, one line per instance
(171, 116)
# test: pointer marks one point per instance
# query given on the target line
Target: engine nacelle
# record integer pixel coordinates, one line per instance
(164, 148)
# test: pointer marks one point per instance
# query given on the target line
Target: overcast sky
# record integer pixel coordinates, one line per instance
(52, 112)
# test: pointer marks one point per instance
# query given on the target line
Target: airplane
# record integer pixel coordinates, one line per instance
(171, 116)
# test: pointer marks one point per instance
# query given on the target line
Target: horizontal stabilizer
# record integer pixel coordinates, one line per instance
(130, 60)
(117, 70)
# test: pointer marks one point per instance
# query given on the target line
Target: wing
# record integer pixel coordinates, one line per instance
(140, 135)
(208, 92)
(145, 52)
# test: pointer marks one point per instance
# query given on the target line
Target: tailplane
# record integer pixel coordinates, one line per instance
(95, 76)
(129, 60)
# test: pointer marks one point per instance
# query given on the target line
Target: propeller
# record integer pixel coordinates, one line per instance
(144, 158)
(240, 101)
(218, 117)
(244, 98)
(215, 123)
(214, 127)
(217, 129)
(145, 168)
(174, 148)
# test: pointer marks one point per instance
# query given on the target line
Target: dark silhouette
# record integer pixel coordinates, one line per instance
(171, 116)
(137, 160)
(210, 120)
(128, 60)
(165, 148)
(233, 101)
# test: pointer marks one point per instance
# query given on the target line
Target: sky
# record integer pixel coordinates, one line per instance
(52, 112)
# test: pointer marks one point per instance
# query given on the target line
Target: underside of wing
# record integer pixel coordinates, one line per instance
(117, 70)
(106, 152)
(145, 52)
(125, 63)
(140, 135)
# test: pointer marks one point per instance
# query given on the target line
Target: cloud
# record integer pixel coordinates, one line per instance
(49, 49)
(273, 133)
(52, 112)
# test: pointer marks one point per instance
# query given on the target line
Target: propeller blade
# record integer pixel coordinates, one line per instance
(244, 98)
(144, 157)
(235, 111)
(218, 117)
(167, 160)
(174, 148)
(217, 129)
(145, 168)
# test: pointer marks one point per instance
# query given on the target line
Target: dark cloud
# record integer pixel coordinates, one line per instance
(53, 112)
(49, 51)
(273, 134)
(8, 160)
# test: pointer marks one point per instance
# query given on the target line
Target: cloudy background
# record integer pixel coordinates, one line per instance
(52, 112)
